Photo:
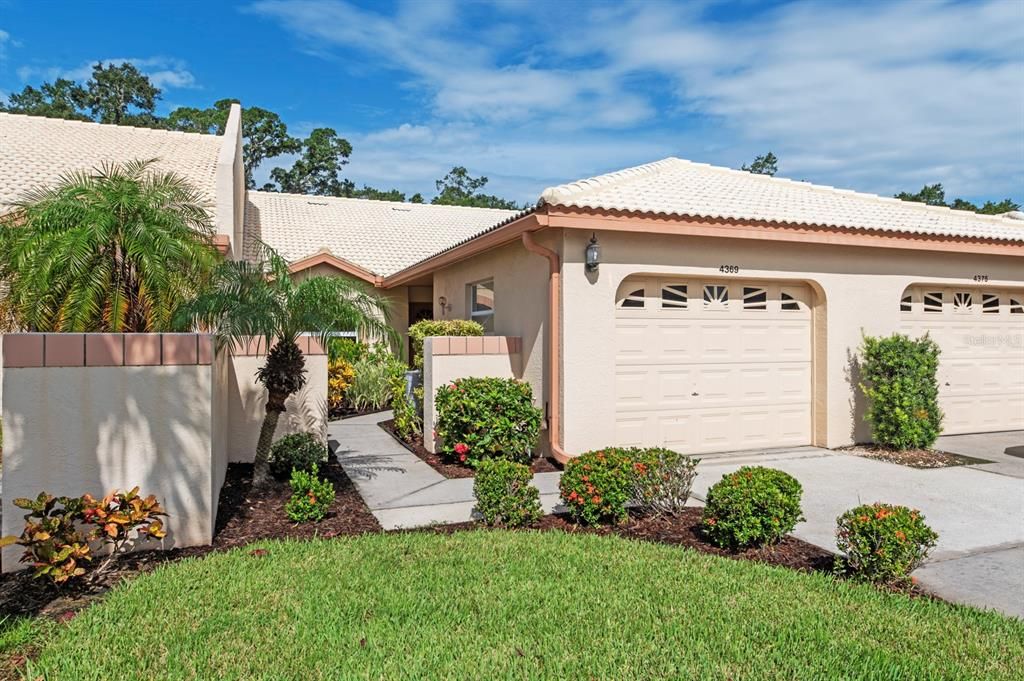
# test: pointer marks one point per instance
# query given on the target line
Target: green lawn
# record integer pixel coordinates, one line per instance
(515, 605)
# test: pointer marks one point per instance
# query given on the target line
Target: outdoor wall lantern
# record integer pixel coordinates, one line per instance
(442, 302)
(593, 256)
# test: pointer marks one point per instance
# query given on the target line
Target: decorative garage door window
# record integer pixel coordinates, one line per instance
(712, 365)
(980, 332)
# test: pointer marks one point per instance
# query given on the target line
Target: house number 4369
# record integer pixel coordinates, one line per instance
(729, 269)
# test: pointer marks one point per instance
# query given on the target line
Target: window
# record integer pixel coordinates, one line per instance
(962, 301)
(933, 301)
(481, 304)
(789, 303)
(906, 303)
(989, 303)
(634, 300)
(673, 296)
(1016, 307)
(716, 297)
(755, 298)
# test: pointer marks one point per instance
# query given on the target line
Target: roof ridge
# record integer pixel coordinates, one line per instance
(913, 205)
(315, 197)
(555, 193)
(137, 128)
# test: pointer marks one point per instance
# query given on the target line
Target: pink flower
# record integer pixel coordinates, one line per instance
(462, 448)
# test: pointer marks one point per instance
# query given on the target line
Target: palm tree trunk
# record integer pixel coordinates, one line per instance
(261, 468)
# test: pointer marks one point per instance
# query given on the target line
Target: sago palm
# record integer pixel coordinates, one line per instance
(118, 248)
(260, 299)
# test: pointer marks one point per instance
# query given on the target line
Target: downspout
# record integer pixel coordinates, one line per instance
(554, 343)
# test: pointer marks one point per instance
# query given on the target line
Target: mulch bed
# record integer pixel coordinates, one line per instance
(242, 518)
(683, 530)
(454, 470)
(915, 458)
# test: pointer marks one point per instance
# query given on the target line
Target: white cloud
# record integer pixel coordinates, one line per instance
(878, 98)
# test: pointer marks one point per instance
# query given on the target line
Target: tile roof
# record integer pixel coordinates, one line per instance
(673, 186)
(36, 151)
(382, 237)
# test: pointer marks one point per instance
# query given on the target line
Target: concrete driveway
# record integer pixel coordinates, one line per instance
(991, 446)
(978, 514)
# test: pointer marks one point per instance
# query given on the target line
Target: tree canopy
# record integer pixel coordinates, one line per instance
(763, 165)
(935, 195)
(459, 188)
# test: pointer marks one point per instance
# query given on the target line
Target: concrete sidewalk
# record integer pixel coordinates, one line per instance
(399, 488)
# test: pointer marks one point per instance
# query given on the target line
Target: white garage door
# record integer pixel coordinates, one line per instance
(711, 366)
(981, 368)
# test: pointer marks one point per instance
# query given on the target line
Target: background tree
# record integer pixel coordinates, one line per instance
(121, 94)
(261, 299)
(316, 171)
(116, 249)
(62, 98)
(459, 188)
(265, 135)
(935, 195)
(763, 165)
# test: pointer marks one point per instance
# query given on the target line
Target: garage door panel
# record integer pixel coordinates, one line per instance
(981, 364)
(715, 378)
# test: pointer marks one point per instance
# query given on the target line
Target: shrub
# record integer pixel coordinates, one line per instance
(662, 480)
(596, 486)
(504, 495)
(348, 349)
(752, 507)
(883, 543)
(370, 389)
(300, 451)
(55, 541)
(408, 421)
(480, 418)
(898, 376)
(311, 496)
(339, 378)
(439, 327)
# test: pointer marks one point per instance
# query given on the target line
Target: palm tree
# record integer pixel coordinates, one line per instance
(116, 249)
(261, 299)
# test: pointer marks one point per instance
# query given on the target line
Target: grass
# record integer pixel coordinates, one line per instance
(515, 605)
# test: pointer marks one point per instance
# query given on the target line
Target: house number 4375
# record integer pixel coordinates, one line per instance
(729, 269)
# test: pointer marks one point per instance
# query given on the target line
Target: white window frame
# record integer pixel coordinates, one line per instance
(482, 317)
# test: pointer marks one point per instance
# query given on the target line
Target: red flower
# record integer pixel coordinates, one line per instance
(595, 499)
(462, 448)
(462, 458)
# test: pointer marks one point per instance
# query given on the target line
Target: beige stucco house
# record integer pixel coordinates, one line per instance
(723, 312)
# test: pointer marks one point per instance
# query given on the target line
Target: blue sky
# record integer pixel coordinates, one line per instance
(873, 96)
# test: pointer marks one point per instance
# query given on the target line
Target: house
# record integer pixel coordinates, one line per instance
(719, 310)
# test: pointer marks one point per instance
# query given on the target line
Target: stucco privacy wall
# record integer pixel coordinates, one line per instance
(446, 358)
(91, 413)
(246, 399)
(858, 290)
(520, 300)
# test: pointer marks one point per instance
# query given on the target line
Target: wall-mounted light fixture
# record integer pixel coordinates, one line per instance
(442, 303)
(593, 254)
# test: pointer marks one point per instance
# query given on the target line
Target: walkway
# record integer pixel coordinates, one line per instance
(399, 488)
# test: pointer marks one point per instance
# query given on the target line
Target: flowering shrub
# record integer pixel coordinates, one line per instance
(752, 507)
(339, 377)
(504, 495)
(55, 538)
(883, 543)
(311, 496)
(662, 480)
(300, 451)
(439, 327)
(480, 418)
(596, 486)
(898, 376)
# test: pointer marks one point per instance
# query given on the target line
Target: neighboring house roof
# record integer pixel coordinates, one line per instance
(673, 186)
(36, 151)
(381, 237)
